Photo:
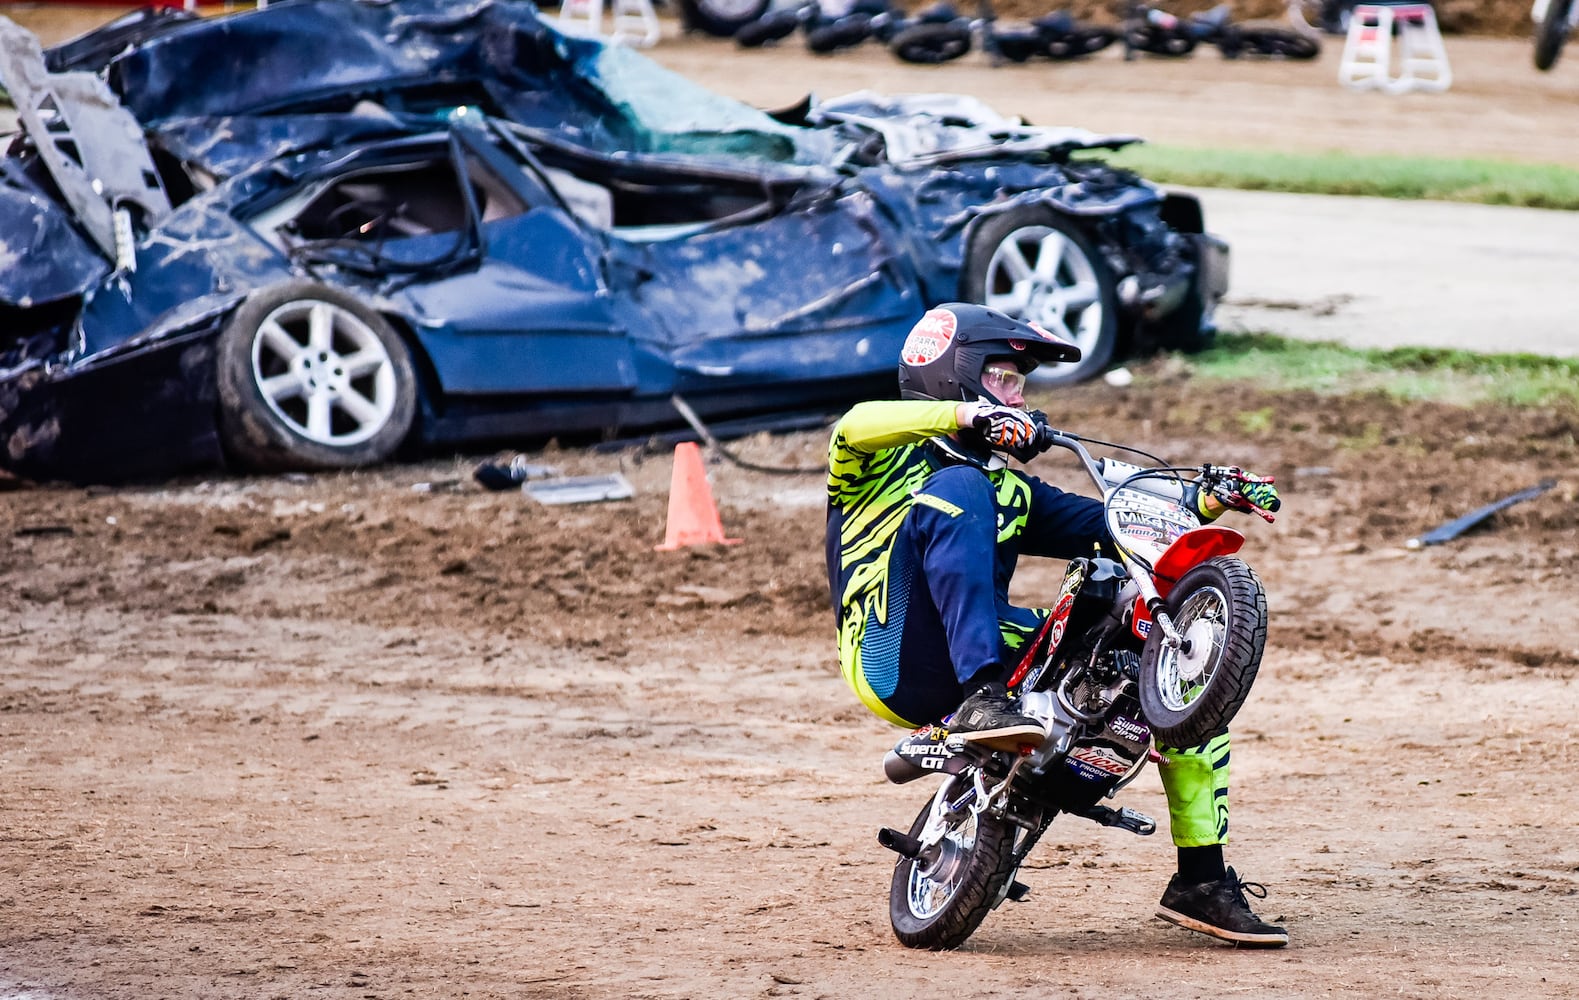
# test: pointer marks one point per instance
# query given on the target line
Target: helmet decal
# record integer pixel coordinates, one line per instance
(930, 337)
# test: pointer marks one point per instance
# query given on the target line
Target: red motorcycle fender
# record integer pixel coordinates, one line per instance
(1187, 551)
(1191, 549)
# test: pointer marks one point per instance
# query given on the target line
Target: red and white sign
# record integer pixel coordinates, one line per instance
(930, 337)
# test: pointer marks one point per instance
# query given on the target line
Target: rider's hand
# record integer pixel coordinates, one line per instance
(1233, 489)
(1002, 426)
(1263, 495)
(1239, 490)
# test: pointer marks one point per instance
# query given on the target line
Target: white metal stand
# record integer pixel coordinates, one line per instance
(1368, 50)
(634, 21)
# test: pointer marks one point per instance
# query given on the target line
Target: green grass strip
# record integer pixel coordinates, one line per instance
(1447, 376)
(1488, 182)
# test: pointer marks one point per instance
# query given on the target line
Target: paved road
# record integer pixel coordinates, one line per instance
(1374, 272)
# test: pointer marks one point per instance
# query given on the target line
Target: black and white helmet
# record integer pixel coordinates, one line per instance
(945, 352)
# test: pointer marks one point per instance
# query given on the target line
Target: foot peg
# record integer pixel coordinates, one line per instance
(1125, 819)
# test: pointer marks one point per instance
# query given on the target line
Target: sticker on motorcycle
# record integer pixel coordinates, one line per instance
(1093, 763)
(930, 337)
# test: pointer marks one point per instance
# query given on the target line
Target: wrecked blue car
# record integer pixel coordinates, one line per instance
(387, 227)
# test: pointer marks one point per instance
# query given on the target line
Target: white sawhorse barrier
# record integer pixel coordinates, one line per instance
(1368, 52)
(634, 21)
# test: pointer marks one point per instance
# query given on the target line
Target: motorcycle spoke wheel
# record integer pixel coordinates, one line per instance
(939, 898)
(1189, 695)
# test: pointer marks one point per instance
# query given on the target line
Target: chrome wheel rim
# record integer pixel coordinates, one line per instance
(324, 373)
(935, 877)
(1183, 677)
(1040, 275)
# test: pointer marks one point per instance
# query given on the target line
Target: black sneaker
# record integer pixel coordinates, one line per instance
(1221, 910)
(988, 717)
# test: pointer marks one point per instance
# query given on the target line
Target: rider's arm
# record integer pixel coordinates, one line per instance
(1061, 525)
(873, 426)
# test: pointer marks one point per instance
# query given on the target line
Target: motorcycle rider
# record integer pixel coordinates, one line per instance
(926, 522)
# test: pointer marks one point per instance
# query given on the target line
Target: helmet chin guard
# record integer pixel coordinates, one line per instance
(946, 350)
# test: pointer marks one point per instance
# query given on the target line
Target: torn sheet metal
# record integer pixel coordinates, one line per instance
(578, 489)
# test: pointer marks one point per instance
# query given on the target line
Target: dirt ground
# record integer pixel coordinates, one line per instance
(386, 734)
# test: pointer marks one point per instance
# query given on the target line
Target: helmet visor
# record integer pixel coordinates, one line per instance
(1003, 381)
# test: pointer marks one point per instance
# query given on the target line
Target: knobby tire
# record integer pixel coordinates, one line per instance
(990, 865)
(1238, 660)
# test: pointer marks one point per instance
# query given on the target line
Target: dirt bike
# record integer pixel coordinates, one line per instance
(1555, 20)
(828, 27)
(946, 36)
(1157, 32)
(1160, 645)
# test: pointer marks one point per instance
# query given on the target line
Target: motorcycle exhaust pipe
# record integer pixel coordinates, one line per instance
(901, 844)
(899, 769)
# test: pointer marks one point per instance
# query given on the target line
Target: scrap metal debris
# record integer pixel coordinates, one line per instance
(1457, 526)
(579, 489)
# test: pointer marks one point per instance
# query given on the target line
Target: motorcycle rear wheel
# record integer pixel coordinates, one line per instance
(1551, 33)
(937, 900)
(1158, 41)
(929, 44)
(1189, 697)
(1277, 43)
(1079, 43)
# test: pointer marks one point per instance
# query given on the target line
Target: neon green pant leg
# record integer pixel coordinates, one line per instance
(1196, 780)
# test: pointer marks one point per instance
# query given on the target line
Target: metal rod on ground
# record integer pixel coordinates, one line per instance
(708, 439)
(1458, 526)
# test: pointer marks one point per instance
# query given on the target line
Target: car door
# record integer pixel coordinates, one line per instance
(531, 314)
(808, 286)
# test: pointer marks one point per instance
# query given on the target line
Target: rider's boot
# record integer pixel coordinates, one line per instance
(991, 719)
(1219, 908)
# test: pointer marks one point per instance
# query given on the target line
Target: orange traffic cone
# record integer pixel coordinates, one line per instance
(693, 517)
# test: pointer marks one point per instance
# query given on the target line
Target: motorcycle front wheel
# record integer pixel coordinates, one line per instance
(1551, 33)
(1189, 695)
(1277, 43)
(930, 44)
(939, 898)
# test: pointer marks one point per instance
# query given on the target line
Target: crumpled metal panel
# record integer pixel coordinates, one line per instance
(30, 221)
(93, 148)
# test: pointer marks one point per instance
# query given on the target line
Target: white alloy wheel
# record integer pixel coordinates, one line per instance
(1038, 274)
(324, 373)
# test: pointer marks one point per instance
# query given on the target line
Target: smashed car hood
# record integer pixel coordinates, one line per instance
(927, 129)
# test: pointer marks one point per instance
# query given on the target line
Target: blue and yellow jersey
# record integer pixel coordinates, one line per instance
(878, 462)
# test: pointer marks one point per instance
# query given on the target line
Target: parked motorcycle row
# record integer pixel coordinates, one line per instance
(942, 32)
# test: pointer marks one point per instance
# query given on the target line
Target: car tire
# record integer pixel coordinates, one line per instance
(1073, 296)
(721, 18)
(310, 378)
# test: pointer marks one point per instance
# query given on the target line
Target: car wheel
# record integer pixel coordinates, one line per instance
(310, 378)
(1034, 265)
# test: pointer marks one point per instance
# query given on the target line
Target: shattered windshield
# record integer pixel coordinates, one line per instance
(678, 116)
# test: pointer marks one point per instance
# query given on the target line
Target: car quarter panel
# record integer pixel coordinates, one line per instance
(821, 290)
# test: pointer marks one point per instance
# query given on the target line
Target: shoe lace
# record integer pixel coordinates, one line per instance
(1241, 887)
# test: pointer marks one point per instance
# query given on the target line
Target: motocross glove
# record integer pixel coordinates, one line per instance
(1263, 495)
(1001, 426)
